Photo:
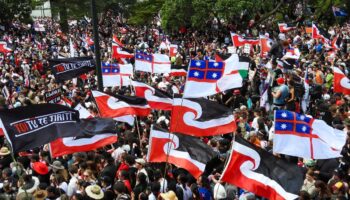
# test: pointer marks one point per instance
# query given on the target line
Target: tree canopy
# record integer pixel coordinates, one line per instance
(185, 13)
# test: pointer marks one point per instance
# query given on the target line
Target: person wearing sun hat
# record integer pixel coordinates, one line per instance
(5, 157)
(40, 195)
(41, 170)
(168, 195)
(94, 192)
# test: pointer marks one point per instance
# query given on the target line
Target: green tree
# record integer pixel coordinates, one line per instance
(176, 13)
(19, 9)
(142, 13)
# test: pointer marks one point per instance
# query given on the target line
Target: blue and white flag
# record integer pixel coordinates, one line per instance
(306, 137)
(154, 63)
(116, 74)
(339, 12)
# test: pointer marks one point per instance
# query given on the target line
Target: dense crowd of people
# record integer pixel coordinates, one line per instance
(120, 171)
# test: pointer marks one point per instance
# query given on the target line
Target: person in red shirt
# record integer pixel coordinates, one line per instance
(123, 176)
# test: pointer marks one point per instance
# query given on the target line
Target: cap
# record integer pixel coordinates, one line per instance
(280, 80)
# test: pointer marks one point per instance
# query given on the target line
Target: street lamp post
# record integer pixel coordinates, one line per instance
(97, 46)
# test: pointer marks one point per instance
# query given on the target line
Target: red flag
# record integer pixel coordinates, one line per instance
(341, 82)
(157, 99)
(284, 27)
(184, 151)
(201, 117)
(3, 48)
(117, 41)
(118, 106)
(173, 50)
(259, 172)
(265, 45)
(71, 145)
(119, 52)
(241, 41)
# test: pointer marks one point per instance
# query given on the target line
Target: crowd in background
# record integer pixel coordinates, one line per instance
(120, 171)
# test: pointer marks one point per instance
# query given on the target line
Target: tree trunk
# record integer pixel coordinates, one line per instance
(63, 16)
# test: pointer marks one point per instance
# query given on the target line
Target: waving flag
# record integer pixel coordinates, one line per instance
(201, 117)
(292, 53)
(234, 62)
(116, 74)
(241, 41)
(119, 52)
(285, 27)
(3, 48)
(117, 42)
(265, 46)
(154, 63)
(118, 106)
(339, 12)
(334, 44)
(341, 82)
(183, 151)
(69, 145)
(32, 126)
(173, 50)
(302, 136)
(206, 78)
(156, 98)
(319, 33)
(178, 70)
(258, 171)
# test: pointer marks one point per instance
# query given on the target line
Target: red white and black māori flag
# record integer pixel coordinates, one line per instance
(119, 105)
(32, 126)
(156, 98)
(201, 117)
(258, 171)
(183, 151)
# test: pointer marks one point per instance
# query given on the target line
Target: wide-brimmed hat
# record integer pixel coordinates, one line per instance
(40, 168)
(57, 165)
(4, 151)
(169, 195)
(94, 192)
(40, 195)
(140, 161)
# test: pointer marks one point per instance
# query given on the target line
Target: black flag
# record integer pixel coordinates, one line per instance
(184, 151)
(68, 68)
(32, 126)
(258, 171)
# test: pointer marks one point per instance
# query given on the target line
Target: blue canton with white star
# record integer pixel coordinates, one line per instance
(205, 71)
(287, 121)
(110, 69)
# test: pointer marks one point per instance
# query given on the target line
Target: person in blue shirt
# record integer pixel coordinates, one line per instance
(204, 188)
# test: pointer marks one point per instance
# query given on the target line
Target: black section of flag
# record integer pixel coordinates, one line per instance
(195, 147)
(288, 175)
(162, 94)
(32, 126)
(131, 100)
(68, 68)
